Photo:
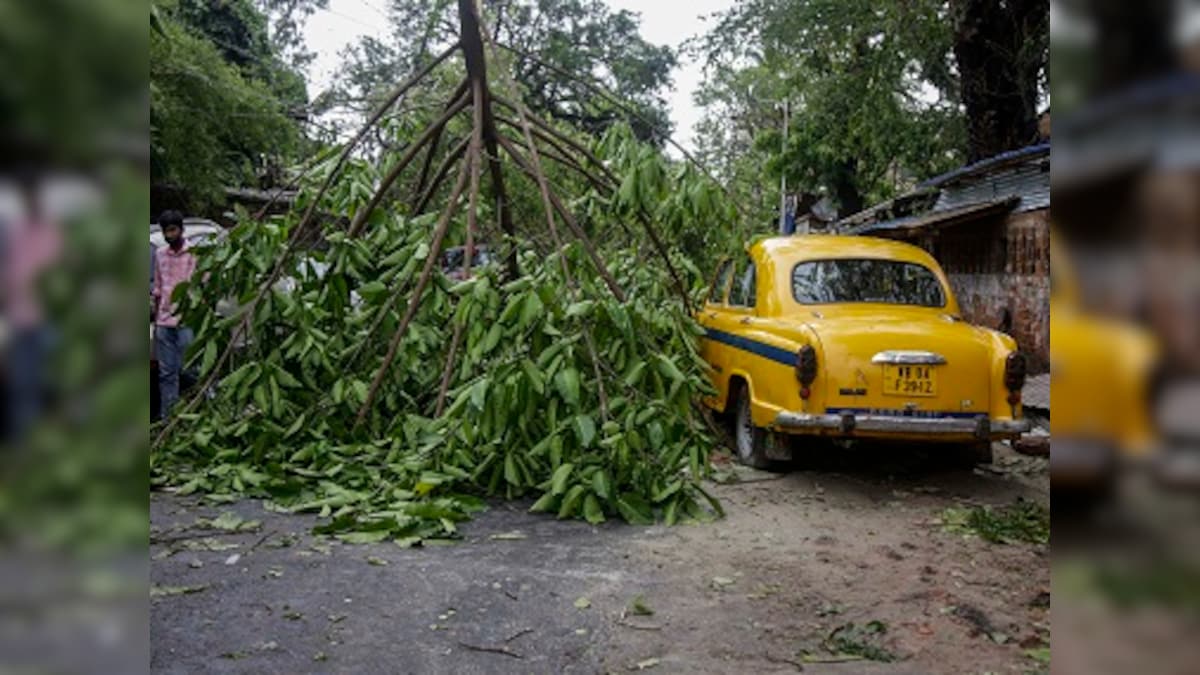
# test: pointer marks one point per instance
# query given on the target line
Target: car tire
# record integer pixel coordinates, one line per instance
(970, 455)
(749, 441)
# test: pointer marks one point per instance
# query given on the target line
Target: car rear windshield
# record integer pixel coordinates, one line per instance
(818, 282)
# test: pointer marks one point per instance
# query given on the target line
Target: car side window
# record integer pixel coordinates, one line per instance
(721, 282)
(745, 288)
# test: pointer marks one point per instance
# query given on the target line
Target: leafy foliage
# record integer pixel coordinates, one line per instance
(1022, 521)
(852, 639)
(576, 36)
(222, 106)
(77, 483)
(74, 80)
(872, 88)
(529, 412)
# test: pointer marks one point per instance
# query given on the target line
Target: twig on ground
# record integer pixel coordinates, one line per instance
(518, 634)
(261, 540)
(621, 621)
(495, 650)
(784, 659)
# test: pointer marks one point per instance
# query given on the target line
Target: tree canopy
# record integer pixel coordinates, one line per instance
(225, 109)
(545, 38)
(876, 91)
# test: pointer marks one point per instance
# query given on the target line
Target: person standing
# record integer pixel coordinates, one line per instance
(174, 264)
(33, 247)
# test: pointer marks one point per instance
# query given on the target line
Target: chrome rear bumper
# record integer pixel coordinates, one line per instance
(980, 427)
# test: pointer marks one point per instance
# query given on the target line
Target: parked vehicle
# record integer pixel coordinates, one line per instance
(850, 338)
(454, 260)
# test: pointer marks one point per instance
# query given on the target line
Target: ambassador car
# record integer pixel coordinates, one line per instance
(853, 338)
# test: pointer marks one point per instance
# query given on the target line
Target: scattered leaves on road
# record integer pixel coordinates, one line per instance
(582, 603)
(210, 544)
(164, 591)
(228, 522)
(1022, 521)
(638, 606)
(862, 641)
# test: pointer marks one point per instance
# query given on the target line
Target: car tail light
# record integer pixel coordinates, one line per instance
(806, 369)
(1014, 372)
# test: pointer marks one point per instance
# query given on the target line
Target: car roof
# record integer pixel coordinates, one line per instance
(825, 246)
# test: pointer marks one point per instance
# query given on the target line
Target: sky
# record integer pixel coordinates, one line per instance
(330, 30)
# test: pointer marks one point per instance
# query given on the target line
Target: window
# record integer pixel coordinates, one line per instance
(819, 282)
(721, 282)
(744, 289)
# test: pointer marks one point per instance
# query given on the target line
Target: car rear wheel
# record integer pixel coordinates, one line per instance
(970, 455)
(750, 442)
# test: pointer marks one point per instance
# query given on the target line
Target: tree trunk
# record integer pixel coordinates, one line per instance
(845, 189)
(1001, 53)
(1136, 39)
(472, 46)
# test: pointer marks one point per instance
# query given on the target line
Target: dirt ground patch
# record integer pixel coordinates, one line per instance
(858, 541)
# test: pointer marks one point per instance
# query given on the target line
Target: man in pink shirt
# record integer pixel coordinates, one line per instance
(33, 246)
(173, 264)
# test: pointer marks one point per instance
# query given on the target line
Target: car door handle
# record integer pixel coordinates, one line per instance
(744, 320)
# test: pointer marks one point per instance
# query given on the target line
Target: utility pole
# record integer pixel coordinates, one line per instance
(783, 175)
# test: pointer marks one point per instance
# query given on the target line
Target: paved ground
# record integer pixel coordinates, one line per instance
(1036, 393)
(856, 540)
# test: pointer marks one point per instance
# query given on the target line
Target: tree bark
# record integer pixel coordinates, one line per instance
(472, 47)
(1001, 49)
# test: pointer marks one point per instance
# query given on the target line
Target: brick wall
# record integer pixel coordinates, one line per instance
(1000, 272)
(999, 269)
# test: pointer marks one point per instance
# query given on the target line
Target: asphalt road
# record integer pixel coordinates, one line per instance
(798, 556)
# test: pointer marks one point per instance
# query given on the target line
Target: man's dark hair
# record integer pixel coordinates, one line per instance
(170, 217)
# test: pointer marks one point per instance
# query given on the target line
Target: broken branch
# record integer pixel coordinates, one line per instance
(360, 218)
(293, 239)
(435, 251)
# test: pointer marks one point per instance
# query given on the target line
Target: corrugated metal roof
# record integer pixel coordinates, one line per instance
(943, 217)
(1019, 178)
(983, 165)
(1028, 182)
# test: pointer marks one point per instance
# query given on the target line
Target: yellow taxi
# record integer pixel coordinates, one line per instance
(1104, 375)
(852, 337)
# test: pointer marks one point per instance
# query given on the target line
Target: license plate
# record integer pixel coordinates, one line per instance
(909, 380)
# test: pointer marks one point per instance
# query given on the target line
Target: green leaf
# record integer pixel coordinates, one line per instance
(634, 509)
(370, 291)
(285, 379)
(492, 338)
(531, 310)
(558, 482)
(510, 471)
(479, 393)
(547, 502)
(209, 358)
(567, 383)
(602, 485)
(571, 501)
(585, 429)
(668, 369)
(580, 308)
(369, 537)
(534, 375)
(592, 511)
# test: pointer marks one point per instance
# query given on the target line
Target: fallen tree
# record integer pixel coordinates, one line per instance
(360, 382)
